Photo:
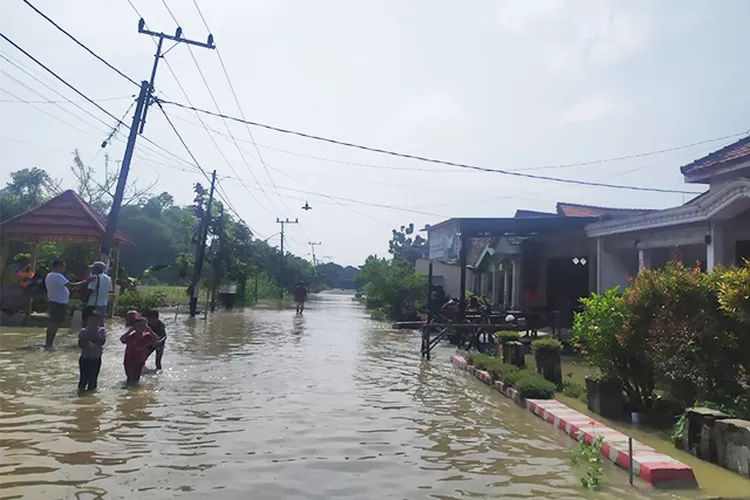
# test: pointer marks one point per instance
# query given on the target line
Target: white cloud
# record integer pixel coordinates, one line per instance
(517, 15)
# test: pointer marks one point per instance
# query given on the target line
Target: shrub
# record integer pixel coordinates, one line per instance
(511, 374)
(505, 336)
(545, 349)
(604, 333)
(139, 301)
(575, 390)
(734, 292)
(534, 386)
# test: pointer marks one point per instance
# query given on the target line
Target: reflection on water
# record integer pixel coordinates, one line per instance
(265, 404)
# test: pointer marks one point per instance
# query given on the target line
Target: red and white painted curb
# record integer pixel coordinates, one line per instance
(657, 468)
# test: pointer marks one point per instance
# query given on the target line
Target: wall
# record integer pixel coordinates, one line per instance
(614, 266)
(451, 275)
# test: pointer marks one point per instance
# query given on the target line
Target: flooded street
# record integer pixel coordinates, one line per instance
(265, 405)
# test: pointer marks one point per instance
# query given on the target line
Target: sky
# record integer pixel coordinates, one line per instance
(512, 84)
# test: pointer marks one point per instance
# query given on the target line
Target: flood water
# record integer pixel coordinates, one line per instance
(262, 404)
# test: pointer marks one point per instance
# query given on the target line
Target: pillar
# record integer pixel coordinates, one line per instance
(644, 259)
(32, 269)
(506, 286)
(516, 298)
(495, 294)
(4, 249)
(715, 245)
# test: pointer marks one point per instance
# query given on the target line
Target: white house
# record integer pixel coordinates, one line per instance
(711, 229)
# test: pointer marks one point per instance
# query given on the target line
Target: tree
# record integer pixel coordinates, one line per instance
(392, 287)
(27, 189)
(406, 248)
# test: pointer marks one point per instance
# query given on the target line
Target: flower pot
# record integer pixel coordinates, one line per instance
(605, 397)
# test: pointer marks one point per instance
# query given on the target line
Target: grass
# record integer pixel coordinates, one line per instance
(174, 294)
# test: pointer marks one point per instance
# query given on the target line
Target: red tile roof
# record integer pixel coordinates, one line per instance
(65, 216)
(575, 210)
(727, 156)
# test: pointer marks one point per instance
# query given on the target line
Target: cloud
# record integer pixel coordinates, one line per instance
(425, 113)
(591, 109)
(517, 15)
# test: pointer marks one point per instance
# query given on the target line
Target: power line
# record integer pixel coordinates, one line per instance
(70, 86)
(430, 160)
(239, 107)
(81, 44)
(69, 101)
(216, 104)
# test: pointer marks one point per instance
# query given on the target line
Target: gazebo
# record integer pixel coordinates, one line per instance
(66, 217)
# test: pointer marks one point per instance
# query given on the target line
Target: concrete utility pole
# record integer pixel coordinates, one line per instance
(313, 244)
(200, 252)
(283, 257)
(139, 121)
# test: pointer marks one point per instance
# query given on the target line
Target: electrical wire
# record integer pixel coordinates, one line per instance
(65, 82)
(239, 107)
(81, 44)
(216, 104)
(430, 160)
(69, 101)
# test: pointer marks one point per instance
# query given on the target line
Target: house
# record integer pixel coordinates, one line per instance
(533, 260)
(711, 229)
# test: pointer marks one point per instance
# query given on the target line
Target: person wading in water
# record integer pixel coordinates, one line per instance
(300, 296)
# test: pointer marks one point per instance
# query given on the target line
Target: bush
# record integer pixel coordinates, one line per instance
(139, 301)
(545, 349)
(605, 335)
(534, 386)
(575, 390)
(511, 374)
(505, 336)
(733, 292)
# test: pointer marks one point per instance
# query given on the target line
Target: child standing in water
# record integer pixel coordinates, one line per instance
(91, 341)
(138, 341)
(157, 327)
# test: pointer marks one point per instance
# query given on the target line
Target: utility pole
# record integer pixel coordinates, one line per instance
(139, 121)
(200, 252)
(283, 257)
(313, 244)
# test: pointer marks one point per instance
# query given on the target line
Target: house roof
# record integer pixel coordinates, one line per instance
(577, 210)
(66, 216)
(728, 156)
(701, 208)
(521, 214)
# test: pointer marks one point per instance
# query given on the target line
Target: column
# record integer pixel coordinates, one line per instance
(506, 286)
(495, 296)
(516, 298)
(715, 246)
(644, 259)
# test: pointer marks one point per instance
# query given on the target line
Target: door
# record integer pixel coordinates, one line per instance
(567, 282)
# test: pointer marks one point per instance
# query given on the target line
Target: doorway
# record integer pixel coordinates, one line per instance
(567, 282)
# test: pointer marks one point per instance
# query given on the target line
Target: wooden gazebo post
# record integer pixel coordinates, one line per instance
(32, 267)
(4, 250)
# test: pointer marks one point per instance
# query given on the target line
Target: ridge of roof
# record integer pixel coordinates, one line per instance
(580, 210)
(730, 154)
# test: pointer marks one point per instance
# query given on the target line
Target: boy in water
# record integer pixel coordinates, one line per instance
(91, 341)
(157, 327)
(138, 341)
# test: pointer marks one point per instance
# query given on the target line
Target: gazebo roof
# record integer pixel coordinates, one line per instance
(64, 217)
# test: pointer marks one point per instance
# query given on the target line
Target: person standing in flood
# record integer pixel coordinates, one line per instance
(300, 296)
(58, 294)
(99, 288)
(138, 341)
(91, 341)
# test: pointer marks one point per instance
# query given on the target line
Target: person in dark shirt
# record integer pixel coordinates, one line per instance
(300, 296)
(158, 328)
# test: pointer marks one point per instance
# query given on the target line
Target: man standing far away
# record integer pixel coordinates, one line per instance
(99, 288)
(58, 295)
(300, 296)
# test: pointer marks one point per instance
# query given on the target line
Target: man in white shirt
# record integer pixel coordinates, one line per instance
(58, 294)
(99, 288)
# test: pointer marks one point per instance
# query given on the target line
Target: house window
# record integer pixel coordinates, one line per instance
(742, 252)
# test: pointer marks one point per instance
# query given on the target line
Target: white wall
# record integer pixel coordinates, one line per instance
(612, 268)
(451, 275)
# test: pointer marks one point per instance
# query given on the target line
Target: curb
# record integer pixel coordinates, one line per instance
(659, 469)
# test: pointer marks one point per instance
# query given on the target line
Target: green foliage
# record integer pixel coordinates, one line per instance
(139, 301)
(26, 189)
(588, 455)
(532, 385)
(575, 390)
(505, 336)
(511, 374)
(603, 334)
(546, 348)
(734, 292)
(405, 248)
(393, 286)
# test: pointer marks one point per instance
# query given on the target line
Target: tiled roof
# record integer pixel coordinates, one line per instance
(520, 214)
(732, 154)
(575, 210)
(65, 216)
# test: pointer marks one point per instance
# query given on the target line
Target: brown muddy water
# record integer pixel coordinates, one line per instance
(262, 404)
